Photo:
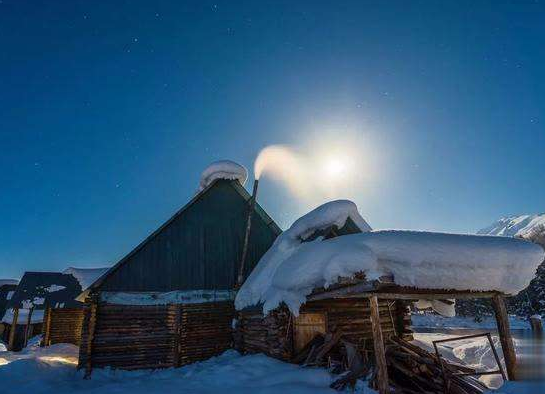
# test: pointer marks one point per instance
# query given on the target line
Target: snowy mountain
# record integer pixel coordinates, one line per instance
(514, 225)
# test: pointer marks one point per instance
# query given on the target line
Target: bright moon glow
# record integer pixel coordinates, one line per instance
(334, 167)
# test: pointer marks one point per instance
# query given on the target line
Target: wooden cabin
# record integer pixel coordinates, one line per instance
(7, 288)
(282, 335)
(169, 301)
(366, 315)
(37, 292)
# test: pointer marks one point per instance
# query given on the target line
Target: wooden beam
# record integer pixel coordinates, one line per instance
(378, 343)
(28, 325)
(13, 329)
(506, 339)
(405, 296)
(91, 335)
(47, 327)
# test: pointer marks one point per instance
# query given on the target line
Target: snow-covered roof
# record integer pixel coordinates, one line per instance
(223, 169)
(321, 261)
(86, 276)
(291, 269)
(4, 282)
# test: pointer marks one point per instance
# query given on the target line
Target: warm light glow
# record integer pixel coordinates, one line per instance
(334, 167)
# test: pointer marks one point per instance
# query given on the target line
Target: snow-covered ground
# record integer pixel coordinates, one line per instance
(52, 370)
(431, 320)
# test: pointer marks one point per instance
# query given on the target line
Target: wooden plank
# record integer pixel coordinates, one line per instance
(28, 326)
(47, 326)
(13, 329)
(506, 339)
(378, 343)
(91, 334)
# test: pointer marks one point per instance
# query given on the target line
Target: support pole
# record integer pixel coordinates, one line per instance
(28, 325)
(378, 343)
(90, 339)
(47, 327)
(13, 329)
(240, 277)
(504, 332)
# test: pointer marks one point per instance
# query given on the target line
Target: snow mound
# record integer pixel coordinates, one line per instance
(512, 226)
(223, 169)
(291, 269)
(321, 260)
(85, 276)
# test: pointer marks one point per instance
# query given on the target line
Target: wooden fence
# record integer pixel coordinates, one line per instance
(149, 337)
(62, 326)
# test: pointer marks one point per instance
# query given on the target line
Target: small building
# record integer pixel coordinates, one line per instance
(7, 288)
(37, 291)
(62, 321)
(357, 287)
(169, 301)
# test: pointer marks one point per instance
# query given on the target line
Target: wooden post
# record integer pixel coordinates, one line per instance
(47, 327)
(91, 336)
(378, 343)
(504, 332)
(28, 325)
(13, 329)
(176, 345)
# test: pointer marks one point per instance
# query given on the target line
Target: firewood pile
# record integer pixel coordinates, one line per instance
(411, 369)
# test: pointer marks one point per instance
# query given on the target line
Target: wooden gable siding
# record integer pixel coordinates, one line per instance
(199, 249)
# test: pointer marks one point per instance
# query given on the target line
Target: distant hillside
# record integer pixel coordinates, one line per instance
(532, 299)
(512, 226)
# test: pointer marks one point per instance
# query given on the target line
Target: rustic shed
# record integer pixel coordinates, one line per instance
(170, 300)
(310, 295)
(36, 292)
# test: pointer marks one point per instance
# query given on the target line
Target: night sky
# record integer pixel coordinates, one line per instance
(109, 111)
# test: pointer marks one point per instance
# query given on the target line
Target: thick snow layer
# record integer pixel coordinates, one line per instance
(54, 288)
(223, 169)
(52, 370)
(172, 297)
(316, 262)
(455, 261)
(37, 316)
(8, 282)
(86, 276)
(412, 258)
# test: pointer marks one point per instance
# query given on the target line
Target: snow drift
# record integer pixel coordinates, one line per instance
(223, 169)
(291, 268)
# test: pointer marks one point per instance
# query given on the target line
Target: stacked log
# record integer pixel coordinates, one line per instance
(412, 369)
(131, 337)
(269, 334)
(63, 326)
(204, 330)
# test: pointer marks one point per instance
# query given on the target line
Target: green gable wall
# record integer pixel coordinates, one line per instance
(199, 248)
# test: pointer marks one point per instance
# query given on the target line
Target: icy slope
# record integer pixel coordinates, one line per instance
(514, 225)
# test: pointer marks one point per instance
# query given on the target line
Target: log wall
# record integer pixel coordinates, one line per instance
(273, 334)
(62, 326)
(150, 337)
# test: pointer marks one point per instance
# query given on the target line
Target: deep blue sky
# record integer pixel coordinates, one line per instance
(108, 112)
